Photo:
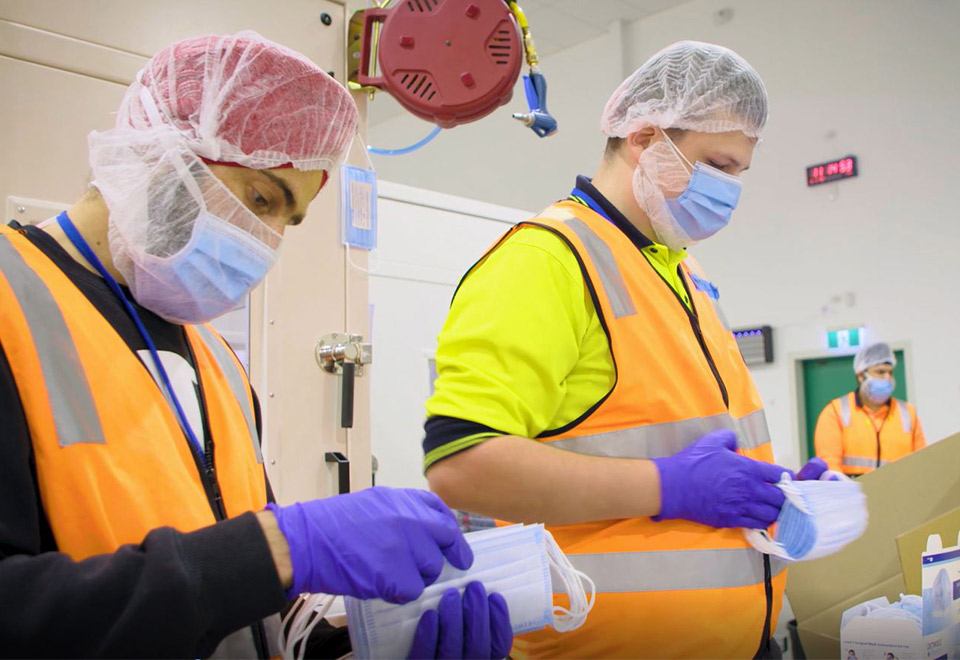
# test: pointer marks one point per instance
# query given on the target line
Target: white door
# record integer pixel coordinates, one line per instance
(426, 243)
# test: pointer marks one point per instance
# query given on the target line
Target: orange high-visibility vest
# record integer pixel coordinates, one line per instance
(112, 462)
(672, 589)
(865, 448)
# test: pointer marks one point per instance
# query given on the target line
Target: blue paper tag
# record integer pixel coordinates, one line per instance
(358, 204)
(705, 286)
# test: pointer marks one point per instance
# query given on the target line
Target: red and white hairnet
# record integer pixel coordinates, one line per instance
(246, 100)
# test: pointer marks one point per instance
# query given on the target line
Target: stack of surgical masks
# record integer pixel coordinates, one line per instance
(818, 518)
(908, 607)
(521, 562)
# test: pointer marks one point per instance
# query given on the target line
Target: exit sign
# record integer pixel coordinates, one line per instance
(846, 338)
(834, 170)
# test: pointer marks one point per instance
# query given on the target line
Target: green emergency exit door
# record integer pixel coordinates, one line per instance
(825, 379)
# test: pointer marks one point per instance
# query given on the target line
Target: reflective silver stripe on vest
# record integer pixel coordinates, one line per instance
(845, 410)
(852, 461)
(659, 440)
(71, 401)
(674, 570)
(905, 419)
(230, 369)
(720, 314)
(606, 265)
(904, 416)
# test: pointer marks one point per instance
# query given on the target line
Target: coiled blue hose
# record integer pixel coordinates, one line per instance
(406, 150)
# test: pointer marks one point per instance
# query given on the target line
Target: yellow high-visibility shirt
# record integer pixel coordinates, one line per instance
(522, 350)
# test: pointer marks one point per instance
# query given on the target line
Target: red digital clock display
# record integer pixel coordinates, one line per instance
(832, 171)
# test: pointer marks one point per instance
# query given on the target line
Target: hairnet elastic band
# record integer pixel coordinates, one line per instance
(232, 164)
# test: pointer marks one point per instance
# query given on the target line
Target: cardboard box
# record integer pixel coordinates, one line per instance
(901, 497)
(911, 544)
(864, 637)
(873, 639)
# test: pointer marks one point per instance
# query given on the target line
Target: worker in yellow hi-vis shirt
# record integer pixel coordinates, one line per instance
(587, 380)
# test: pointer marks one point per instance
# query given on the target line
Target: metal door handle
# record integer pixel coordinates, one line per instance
(339, 353)
(343, 470)
(346, 398)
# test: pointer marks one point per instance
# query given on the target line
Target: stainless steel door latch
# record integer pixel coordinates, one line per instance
(340, 353)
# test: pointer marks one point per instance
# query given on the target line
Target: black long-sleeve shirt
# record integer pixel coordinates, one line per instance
(174, 595)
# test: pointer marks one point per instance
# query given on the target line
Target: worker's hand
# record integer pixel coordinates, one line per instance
(378, 543)
(709, 483)
(476, 626)
(812, 470)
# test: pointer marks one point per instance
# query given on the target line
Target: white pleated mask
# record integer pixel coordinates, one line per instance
(520, 562)
(818, 518)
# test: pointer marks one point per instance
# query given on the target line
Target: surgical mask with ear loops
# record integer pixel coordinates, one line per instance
(685, 202)
(818, 518)
(877, 390)
(521, 562)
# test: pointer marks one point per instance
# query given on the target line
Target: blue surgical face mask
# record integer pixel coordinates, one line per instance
(818, 518)
(209, 276)
(705, 206)
(877, 390)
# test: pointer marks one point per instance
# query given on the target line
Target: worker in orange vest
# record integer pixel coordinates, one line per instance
(868, 428)
(587, 379)
(136, 519)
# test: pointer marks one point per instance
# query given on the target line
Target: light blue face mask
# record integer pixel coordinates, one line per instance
(818, 518)
(208, 277)
(878, 390)
(705, 206)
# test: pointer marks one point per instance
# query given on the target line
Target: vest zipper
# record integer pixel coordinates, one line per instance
(764, 650)
(695, 325)
(880, 430)
(878, 447)
(208, 477)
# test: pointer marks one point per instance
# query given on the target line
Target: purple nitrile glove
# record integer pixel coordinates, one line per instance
(813, 470)
(709, 483)
(377, 543)
(475, 627)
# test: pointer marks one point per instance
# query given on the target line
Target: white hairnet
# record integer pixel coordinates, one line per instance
(689, 85)
(873, 355)
(246, 100)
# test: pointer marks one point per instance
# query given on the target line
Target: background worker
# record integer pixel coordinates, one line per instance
(135, 515)
(868, 428)
(587, 380)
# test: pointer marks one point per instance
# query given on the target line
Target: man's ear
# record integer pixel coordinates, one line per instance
(639, 140)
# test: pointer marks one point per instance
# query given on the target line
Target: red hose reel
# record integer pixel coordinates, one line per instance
(446, 61)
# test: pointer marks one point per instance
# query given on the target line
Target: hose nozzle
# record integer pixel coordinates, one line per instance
(539, 119)
(542, 123)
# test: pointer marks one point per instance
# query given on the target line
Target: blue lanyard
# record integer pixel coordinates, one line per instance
(81, 244)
